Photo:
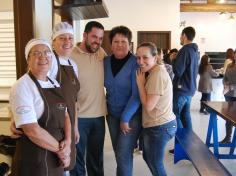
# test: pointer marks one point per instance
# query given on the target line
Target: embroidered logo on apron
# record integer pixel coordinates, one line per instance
(61, 106)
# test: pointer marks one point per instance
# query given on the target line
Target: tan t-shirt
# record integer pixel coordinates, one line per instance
(91, 100)
(159, 83)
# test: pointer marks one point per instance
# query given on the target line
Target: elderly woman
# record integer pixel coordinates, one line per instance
(39, 110)
(156, 97)
(124, 115)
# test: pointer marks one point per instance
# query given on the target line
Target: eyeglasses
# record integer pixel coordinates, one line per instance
(40, 54)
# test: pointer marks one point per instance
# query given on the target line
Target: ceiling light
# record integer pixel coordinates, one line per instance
(231, 17)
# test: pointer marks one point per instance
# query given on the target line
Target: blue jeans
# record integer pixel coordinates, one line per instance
(124, 144)
(181, 109)
(90, 147)
(155, 140)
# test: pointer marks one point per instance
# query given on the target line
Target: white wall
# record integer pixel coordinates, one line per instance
(212, 32)
(43, 19)
(144, 15)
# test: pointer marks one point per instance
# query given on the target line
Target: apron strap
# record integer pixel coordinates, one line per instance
(59, 68)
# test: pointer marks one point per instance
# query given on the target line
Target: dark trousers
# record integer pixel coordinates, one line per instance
(90, 147)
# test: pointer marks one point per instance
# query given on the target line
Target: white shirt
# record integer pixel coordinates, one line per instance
(52, 73)
(25, 100)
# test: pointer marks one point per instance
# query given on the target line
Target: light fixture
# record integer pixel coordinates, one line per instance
(223, 16)
(231, 17)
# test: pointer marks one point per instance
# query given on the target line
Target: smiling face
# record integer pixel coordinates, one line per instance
(63, 44)
(145, 59)
(93, 39)
(120, 46)
(39, 59)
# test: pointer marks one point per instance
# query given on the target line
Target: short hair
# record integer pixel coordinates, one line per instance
(189, 33)
(151, 46)
(174, 50)
(91, 25)
(123, 30)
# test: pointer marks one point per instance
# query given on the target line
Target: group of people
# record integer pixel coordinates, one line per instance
(228, 71)
(59, 105)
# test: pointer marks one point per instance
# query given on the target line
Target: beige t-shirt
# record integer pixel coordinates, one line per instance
(91, 100)
(159, 83)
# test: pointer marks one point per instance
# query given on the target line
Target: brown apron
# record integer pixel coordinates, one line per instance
(70, 87)
(29, 158)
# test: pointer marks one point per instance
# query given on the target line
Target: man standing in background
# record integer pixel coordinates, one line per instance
(89, 56)
(185, 68)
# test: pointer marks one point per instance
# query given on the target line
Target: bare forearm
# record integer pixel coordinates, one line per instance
(142, 94)
(67, 128)
(76, 117)
(42, 138)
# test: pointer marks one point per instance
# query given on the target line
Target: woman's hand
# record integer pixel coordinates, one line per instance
(77, 136)
(140, 78)
(124, 126)
(66, 162)
(64, 150)
(226, 89)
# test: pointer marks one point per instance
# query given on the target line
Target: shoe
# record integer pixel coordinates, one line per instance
(206, 113)
(226, 140)
(172, 151)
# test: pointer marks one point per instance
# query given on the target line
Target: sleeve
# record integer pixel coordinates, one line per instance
(21, 102)
(180, 63)
(156, 83)
(134, 100)
(212, 72)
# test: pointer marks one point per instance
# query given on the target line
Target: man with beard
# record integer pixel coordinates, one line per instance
(88, 56)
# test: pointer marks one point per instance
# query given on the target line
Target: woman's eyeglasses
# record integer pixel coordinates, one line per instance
(41, 54)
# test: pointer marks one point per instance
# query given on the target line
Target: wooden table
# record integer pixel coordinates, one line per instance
(227, 111)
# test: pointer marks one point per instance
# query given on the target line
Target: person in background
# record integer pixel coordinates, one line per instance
(167, 58)
(39, 111)
(156, 95)
(206, 73)
(228, 59)
(229, 82)
(124, 114)
(167, 66)
(185, 68)
(91, 102)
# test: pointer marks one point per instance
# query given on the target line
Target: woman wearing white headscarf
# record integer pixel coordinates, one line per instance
(39, 110)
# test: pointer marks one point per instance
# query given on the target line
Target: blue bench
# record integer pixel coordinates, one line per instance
(189, 146)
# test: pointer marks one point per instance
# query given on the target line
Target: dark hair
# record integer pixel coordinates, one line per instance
(189, 33)
(203, 65)
(91, 25)
(174, 50)
(151, 46)
(123, 30)
(229, 53)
